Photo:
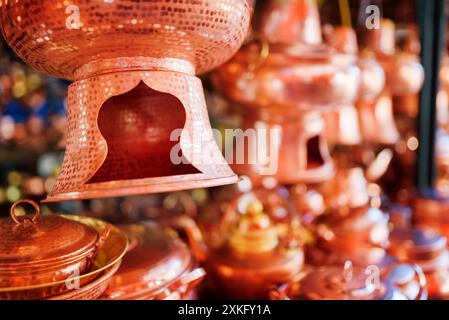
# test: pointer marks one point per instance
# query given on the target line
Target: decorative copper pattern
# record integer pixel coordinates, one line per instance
(87, 149)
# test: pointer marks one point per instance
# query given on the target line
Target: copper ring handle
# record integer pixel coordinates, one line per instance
(419, 275)
(35, 206)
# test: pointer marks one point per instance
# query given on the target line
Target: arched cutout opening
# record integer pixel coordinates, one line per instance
(314, 157)
(137, 126)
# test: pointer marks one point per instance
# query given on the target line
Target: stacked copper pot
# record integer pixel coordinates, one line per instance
(57, 257)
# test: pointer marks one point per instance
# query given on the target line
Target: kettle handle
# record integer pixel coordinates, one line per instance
(194, 236)
(419, 275)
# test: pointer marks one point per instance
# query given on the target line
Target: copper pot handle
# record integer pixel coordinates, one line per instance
(419, 275)
(16, 219)
(101, 241)
(189, 280)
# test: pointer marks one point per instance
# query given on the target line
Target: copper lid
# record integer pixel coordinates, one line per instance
(155, 259)
(42, 239)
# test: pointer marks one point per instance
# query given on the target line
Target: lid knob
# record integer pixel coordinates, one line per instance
(254, 232)
(25, 219)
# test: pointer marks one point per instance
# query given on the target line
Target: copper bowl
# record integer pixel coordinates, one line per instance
(197, 35)
(107, 257)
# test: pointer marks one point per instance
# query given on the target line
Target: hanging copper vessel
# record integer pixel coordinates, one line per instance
(158, 265)
(399, 282)
(427, 249)
(41, 255)
(251, 256)
(134, 84)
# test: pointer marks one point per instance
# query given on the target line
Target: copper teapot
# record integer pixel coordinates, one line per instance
(352, 227)
(119, 139)
(253, 255)
(399, 282)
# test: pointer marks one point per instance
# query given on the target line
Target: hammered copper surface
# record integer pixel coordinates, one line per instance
(47, 36)
(43, 249)
(97, 153)
(109, 254)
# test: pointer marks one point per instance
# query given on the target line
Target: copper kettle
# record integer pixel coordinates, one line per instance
(253, 255)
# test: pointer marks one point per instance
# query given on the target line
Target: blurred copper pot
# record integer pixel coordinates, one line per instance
(38, 250)
(251, 257)
(118, 140)
(351, 227)
(344, 41)
(399, 282)
(377, 120)
(292, 149)
(427, 249)
(403, 70)
(289, 67)
(158, 265)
